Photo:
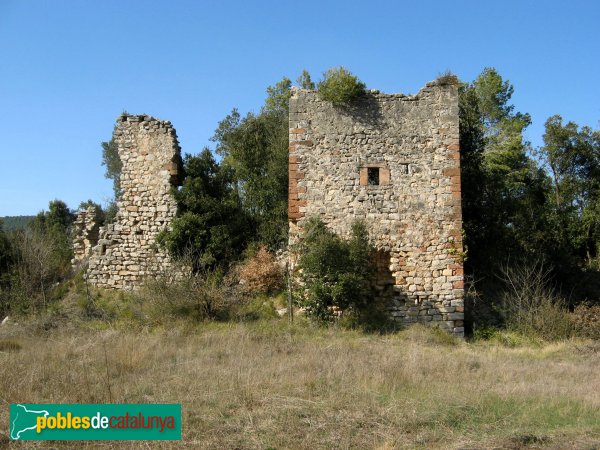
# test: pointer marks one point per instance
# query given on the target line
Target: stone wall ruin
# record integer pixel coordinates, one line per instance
(86, 230)
(394, 161)
(126, 253)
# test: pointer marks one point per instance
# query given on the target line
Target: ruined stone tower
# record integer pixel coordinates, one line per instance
(126, 253)
(394, 161)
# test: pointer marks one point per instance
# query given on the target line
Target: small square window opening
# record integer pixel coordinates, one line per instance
(373, 176)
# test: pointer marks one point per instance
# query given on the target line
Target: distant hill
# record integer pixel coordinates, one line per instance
(10, 223)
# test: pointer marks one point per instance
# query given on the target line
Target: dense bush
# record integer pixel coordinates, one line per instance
(586, 320)
(339, 86)
(261, 274)
(335, 272)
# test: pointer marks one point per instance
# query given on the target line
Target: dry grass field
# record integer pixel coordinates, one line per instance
(268, 385)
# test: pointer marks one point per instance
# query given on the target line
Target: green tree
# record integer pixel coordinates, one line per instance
(39, 256)
(305, 81)
(572, 157)
(504, 191)
(113, 164)
(100, 213)
(210, 228)
(5, 254)
(255, 148)
(278, 97)
(223, 206)
(54, 227)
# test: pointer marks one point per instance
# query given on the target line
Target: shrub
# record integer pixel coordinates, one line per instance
(372, 318)
(261, 274)
(207, 296)
(339, 86)
(257, 308)
(36, 270)
(198, 297)
(586, 320)
(210, 227)
(531, 306)
(448, 78)
(506, 338)
(335, 273)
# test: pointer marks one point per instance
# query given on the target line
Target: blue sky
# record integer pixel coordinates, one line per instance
(69, 68)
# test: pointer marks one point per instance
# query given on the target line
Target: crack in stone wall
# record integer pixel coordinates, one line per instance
(413, 210)
(127, 253)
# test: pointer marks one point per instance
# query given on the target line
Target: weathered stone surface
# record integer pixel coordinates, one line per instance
(410, 144)
(127, 253)
(85, 235)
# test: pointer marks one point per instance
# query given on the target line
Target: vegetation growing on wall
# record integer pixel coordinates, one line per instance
(339, 86)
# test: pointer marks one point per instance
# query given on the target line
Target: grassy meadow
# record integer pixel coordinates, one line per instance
(269, 385)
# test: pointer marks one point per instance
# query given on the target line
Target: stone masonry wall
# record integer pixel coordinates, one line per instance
(394, 161)
(127, 253)
(85, 234)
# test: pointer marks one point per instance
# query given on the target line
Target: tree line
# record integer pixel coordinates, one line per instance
(523, 204)
(520, 203)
